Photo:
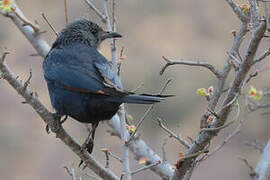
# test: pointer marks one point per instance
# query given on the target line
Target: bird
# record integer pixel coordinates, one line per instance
(81, 82)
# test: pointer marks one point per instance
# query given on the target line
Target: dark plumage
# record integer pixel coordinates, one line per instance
(80, 80)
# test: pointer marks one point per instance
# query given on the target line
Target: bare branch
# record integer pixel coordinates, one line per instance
(25, 21)
(124, 138)
(27, 82)
(145, 168)
(181, 140)
(263, 56)
(267, 12)
(203, 138)
(234, 58)
(263, 167)
(146, 113)
(190, 63)
(138, 87)
(39, 44)
(71, 172)
(112, 42)
(141, 150)
(165, 141)
(256, 145)
(226, 140)
(92, 6)
(238, 11)
(50, 25)
(254, 13)
(66, 11)
(252, 172)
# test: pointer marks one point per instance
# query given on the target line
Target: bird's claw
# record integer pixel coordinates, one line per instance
(56, 124)
(88, 145)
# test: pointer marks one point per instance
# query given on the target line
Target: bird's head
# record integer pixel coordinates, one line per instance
(84, 31)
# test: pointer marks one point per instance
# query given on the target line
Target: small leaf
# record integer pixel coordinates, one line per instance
(142, 161)
(245, 9)
(105, 150)
(131, 128)
(252, 91)
(202, 92)
(255, 94)
(6, 5)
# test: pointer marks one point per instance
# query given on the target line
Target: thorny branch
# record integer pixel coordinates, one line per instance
(146, 113)
(180, 139)
(204, 138)
(190, 63)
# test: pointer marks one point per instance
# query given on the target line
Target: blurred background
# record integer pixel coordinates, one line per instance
(190, 30)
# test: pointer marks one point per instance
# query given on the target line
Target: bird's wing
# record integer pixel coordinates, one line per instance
(81, 69)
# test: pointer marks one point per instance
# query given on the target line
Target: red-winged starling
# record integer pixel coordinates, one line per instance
(81, 82)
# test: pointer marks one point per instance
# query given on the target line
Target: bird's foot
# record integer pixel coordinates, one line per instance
(56, 124)
(88, 145)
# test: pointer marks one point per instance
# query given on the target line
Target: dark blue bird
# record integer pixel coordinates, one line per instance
(81, 81)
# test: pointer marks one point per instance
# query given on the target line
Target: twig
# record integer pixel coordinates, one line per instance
(230, 103)
(113, 16)
(121, 58)
(213, 113)
(234, 58)
(138, 87)
(141, 150)
(25, 21)
(39, 44)
(109, 28)
(27, 82)
(146, 113)
(66, 11)
(165, 141)
(251, 75)
(124, 138)
(226, 140)
(254, 13)
(92, 6)
(68, 171)
(218, 128)
(238, 11)
(181, 140)
(145, 168)
(106, 152)
(263, 56)
(252, 172)
(92, 176)
(256, 145)
(190, 63)
(263, 167)
(267, 12)
(50, 25)
(115, 157)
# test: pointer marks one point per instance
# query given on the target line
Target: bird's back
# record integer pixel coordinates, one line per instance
(73, 80)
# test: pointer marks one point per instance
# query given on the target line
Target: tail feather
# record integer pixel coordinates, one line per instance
(143, 98)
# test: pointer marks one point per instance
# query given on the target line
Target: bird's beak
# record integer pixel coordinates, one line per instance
(110, 34)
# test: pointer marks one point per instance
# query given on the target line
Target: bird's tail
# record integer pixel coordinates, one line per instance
(143, 98)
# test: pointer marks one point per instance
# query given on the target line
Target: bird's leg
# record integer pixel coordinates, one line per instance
(89, 142)
(57, 123)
